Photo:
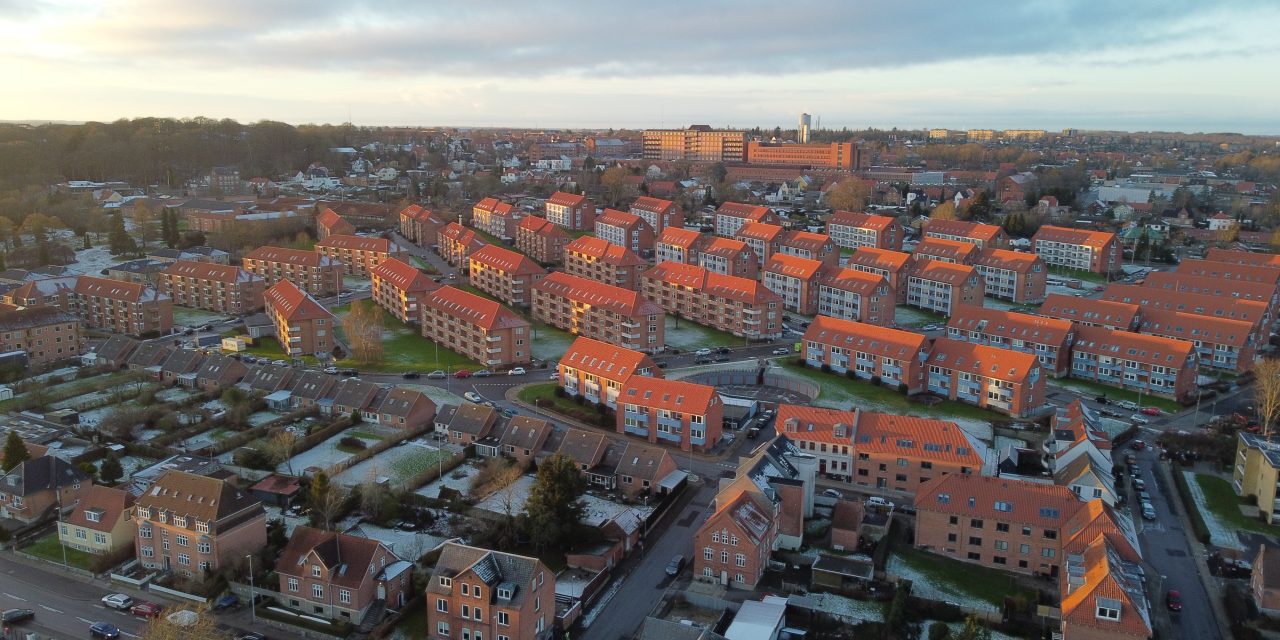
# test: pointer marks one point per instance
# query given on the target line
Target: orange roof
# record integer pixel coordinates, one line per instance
(679, 236)
(1010, 325)
(859, 220)
(1095, 239)
(816, 424)
(672, 395)
(329, 219)
(566, 199)
(403, 276)
(989, 362)
(759, 231)
(917, 438)
(793, 266)
(472, 309)
(942, 248)
(1200, 303)
(615, 218)
(655, 205)
(294, 303)
(1006, 259)
(1192, 327)
(485, 204)
(813, 242)
(975, 496)
(954, 274)
(605, 360)
(740, 210)
(1095, 518)
(1106, 312)
(853, 280)
(541, 226)
(356, 243)
(605, 251)
(739, 289)
(1093, 577)
(416, 212)
(727, 248)
(1243, 257)
(1139, 347)
(866, 338)
(290, 256)
(505, 260)
(678, 273)
(984, 232)
(621, 301)
(1185, 283)
(886, 259)
(114, 289)
(209, 271)
(1229, 271)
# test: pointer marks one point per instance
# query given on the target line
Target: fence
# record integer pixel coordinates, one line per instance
(174, 593)
(752, 377)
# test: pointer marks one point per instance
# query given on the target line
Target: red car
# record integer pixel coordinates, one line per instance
(1152, 411)
(146, 610)
(1173, 600)
(1138, 445)
(462, 373)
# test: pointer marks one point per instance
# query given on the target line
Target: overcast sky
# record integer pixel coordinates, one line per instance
(1127, 64)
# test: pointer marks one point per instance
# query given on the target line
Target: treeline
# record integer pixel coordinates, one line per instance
(164, 151)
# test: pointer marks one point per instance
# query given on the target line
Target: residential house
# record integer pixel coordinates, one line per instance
(1151, 364)
(114, 352)
(402, 408)
(1264, 582)
(602, 261)
(1012, 275)
(39, 487)
(587, 449)
(504, 274)
(762, 238)
(1214, 287)
(895, 358)
(1222, 343)
(180, 367)
(740, 306)
(541, 240)
(573, 212)
(477, 593)
(121, 307)
(1153, 298)
(604, 312)
(1256, 473)
(1048, 339)
(191, 524)
(397, 286)
(302, 325)
(100, 523)
(810, 246)
(1079, 249)
(942, 287)
(359, 255)
(268, 378)
(597, 370)
(352, 397)
(310, 388)
(989, 377)
(212, 287)
(524, 438)
(217, 371)
(339, 576)
(686, 414)
(642, 468)
(317, 274)
(476, 327)
(854, 230)
(470, 422)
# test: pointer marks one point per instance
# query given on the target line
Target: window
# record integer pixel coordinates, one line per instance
(144, 532)
(1108, 609)
(733, 540)
(442, 628)
(466, 589)
(1005, 507)
(182, 541)
(1024, 549)
(953, 520)
(202, 527)
(738, 577)
(99, 538)
(477, 614)
(1048, 552)
(740, 560)
(446, 582)
(503, 619)
(184, 559)
(466, 612)
(1002, 527)
(442, 605)
(1001, 545)
(975, 541)
(1050, 534)
(724, 557)
(317, 591)
(707, 553)
(344, 596)
(976, 523)
(204, 547)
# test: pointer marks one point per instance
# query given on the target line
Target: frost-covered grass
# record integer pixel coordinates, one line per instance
(259, 418)
(686, 334)
(1219, 506)
(934, 577)
(517, 493)
(174, 394)
(398, 464)
(188, 317)
(459, 480)
(206, 439)
(912, 317)
(838, 605)
(322, 456)
(549, 343)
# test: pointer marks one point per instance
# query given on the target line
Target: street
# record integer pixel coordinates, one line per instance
(64, 607)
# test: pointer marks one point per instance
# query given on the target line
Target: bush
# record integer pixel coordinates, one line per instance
(1197, 521)
(851, 374)
(939, 631)
(560, 392)
(826, 368)
(352, 442)
(875, 380)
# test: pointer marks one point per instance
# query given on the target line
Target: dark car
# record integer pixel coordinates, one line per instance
(229, 601)
(251, 636)
(1173, 600)
(350, 373)
(675, 566)
(146, 610)
(702, 360)
(411, 375)
(104, 630)
(14, 616)
(722, 350)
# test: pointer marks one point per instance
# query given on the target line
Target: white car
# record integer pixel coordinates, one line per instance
(1128, 405)
(702, 352)
(331, 370)
(781, 351)
(473, 396)
(1138, 418)
(930, 327)
(117, 601)
(878, 502)
(518, 371)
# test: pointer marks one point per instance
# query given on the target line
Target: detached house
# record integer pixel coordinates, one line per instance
(340, 576)
(642, 468)
(477, 593)
(469, 423)
(38, 487)
(524, 438)
(100, 524)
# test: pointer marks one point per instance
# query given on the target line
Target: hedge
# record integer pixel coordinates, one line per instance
(1193, 512)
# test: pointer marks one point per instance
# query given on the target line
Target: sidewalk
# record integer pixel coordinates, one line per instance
(1200, 553)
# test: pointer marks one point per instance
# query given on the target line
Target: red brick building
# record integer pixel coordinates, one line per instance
(951, 251)
(495, 217)
(476, 327)
(762, 238)
(339, 576)
(893, 266)
(477, 593)
(740, 306)
(419, 225)
(541, 240)
(504, 274)
(1079, 249)
(810, 246)
(602, 261)
(456, 242)
(727, 256)
(1152, 364)
(732, 215)
(1048, 339)
(397, 286)
(989, 377)
(850, 294)
(318, 275)
(357, 253)
(191, 524)
(121, 307)
(1012, 275)
(598, 370)
(893, 356)
(212, 287)
(302, 325)
(45, 334)
(796, 280)
(660, 214)
(625, 229)
(329, 223)
(600, 311)
(733, 546)
(676, 244)
(986, 236)
(854, 230)
(943, 287)
(685, 414)
(1087, 312)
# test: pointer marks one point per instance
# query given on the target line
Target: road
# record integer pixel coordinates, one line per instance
(64, 607)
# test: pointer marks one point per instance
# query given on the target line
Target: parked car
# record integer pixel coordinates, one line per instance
(407, 525)
(104, 630)
(702, 352)
(518, 371)
(473, 397)
(1138, 445)
(483, 373)
(1173, 601)
(411, 375)
(462, 373)
(723, 350)
(1143, 496)
(1148, 511)
(753, 433)
(702, 360)
(248, 359)
(331, 370)
(117, 601)
(781, 351)
(879, 503)
(1127, 405)
(930, 327)
(280, 363)
(675, 566)
(14, 616)
(1151, 411)
(350, 373)
(1138, 418)
(145, 610)
(1139, 484)
(229, 601)
(832, 493)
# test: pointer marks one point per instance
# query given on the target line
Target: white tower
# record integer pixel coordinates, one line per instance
(802, 131)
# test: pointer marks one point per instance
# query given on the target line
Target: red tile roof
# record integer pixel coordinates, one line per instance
(989, 362)
(1094, 239)
(678, 273)
(1011, 260)
(1039, 505)
(1110, 313)
(917, 438)
(1010, 325)
(1230, 271)
(416, 212)
(596, 294)
(110, 504)
(605, 251)
(656, 205)
(541, 226)
(813, 242)
(615, 218)
(672, 395)
(1138, 347)
(506, 260)
(679, 236)
(114, 289)
(486, 204)
(605, 360)
(1193, 327)
(860, 220)
(404, 276)
(759, 231)
(1205, 285)
(740, 210)
(949, 249)
(566, 199)
(954, 274)
(1243, 257)
(1098, 578)
(727, 248)
(209, 271)
(739, 289)
(462, 235)
(793, 267)
(853, 280)
(329, 219)
(356, 243)
(866, 338)
(300, 257)
(984, 232)
(472, 309)
(1203, 304)
(886, 259)
(294, 303)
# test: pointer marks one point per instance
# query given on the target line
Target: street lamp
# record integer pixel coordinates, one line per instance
(253, 609)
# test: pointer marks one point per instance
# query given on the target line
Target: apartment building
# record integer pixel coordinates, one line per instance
(476, 327)
(1002, 523)
(397, 287)
(850, 294)
(893, 266)
(950, 251)
(602, 261)
(881, 450)
(1220, 343)
(358, 254)
(740, 306)
(734, 545)
(1139, 362)
(317, 274)
(456, 242)
(659, 214)
(302, 325)
(1256, 472)
(1012, 275)
(989, 377)
(732, 215)
(895, 358)
(1226, 306)
(1242, 257)
(541, 240)
(854, 230)
(99, 523)
(1048, 339)
(762, 238)
(1087, 312)
(495, 217)
(338, 576)
(504, 274)
(419, 225)
(573, 212)
(986, 236)
(329, 223)
(1214, 287)
(45, 334)
(676, 244)
(685, 414)
(1103, 588)
(625, 229)
(600, 311)
(121, 307)
(1080, 249)
(476, 593)
(191, 524)
(598, 370)
(942, 287)
(728, 257)
(213, 287)
(844, 156)
(810, 246)
(698, 143)
(1268, 275)
(796, 280)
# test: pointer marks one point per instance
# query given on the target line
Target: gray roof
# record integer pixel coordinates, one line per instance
(268, 377)
(525, 432)
(313, 385)
(641, 462)
(355, 393)
(182, 361)
(659, 629)
(145, 265)
(219, 367)
(40, 474)
(400, 402)
(473, 419)
(493, 567)
(117, 348)
(584, 447)
(150, 354)
(258, 320)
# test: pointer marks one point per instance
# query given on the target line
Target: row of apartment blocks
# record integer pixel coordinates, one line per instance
(111, 305)
(46, 335)
(615, 315)
(212, 287)
(302, 325)
(312, 271)
(357, 254)
(740, 306)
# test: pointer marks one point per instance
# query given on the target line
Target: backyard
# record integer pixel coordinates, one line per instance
(1220, 507)
(938, 578)
(48, 548)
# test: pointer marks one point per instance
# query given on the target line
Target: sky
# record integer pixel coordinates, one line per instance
(1135, 65)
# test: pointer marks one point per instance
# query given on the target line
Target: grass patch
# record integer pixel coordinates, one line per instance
(483, 294)
(424, 265)
(1193, 512)
(1116, 393)
(412, 352)
(50, 549)
(413, 622)
(837, 388)
(917, 317)
(410, 466)
(983, 583)
(1221, 500)
(544, 395)
(1078, 274)
(687, 334)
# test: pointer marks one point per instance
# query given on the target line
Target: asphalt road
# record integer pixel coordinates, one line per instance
(64, 607)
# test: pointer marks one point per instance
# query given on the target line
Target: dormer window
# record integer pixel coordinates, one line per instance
(202, 527)
(504, 593)
(446, 582)
(1108, 609)
(144, 513)
(93, 515)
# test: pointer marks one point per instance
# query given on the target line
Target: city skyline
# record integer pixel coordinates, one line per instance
(1039, 65)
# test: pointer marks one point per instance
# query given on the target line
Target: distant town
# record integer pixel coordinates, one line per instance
(265, 381)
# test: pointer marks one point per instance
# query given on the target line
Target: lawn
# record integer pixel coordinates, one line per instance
(548, 342)
(989, 585)
(1089, 387)
(424, 265)
(915, 317)
(1221, 501)
(544, 395)
(49, 548)
(1076, 274)
(412, 352)
(188, 317)
(687, 335)
(838, 391)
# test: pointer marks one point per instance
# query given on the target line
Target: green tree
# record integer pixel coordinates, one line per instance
(119, 239)
(554, 507)
(973, 630)
(15, 452)
(939, 631)
(111, 471)
(980, 208)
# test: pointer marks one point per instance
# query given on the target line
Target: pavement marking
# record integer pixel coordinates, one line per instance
(84, 620)
(131, 635)
(47, 608)
(16, 597)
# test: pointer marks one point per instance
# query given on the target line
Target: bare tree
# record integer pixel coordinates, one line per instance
(944, 211)
(363, 328)
(1266, 392)
(325, 499)
(280, 448)
(849, 194)
(616, 184)
(144, 218)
